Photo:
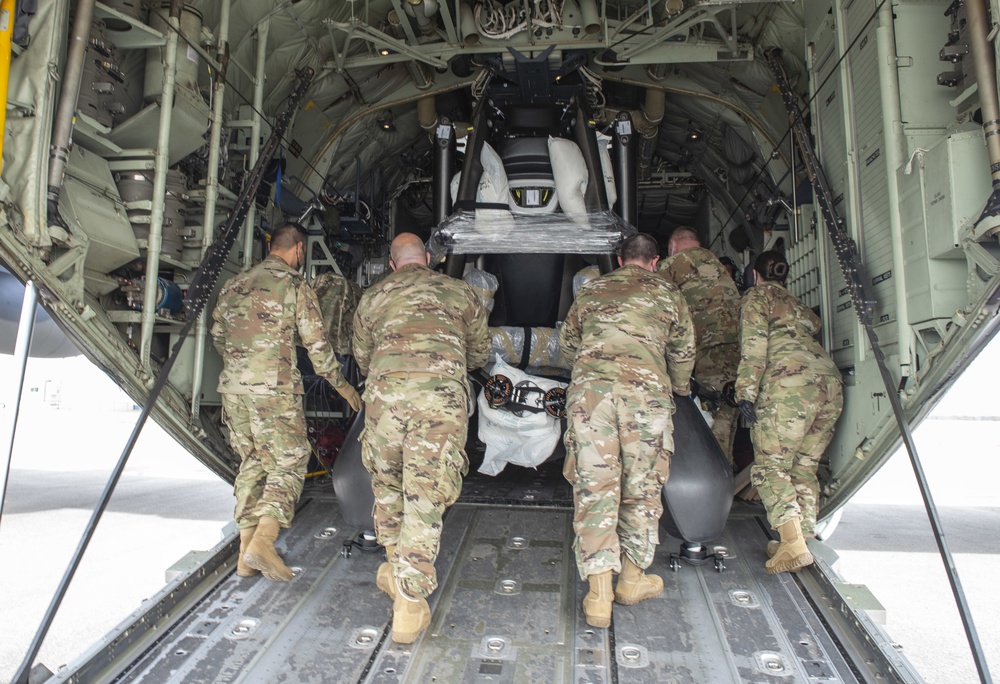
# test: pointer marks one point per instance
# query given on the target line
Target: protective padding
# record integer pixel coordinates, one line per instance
(493, 189)
(351, 482)
(527, 158)
(699, 492)
(570, 172)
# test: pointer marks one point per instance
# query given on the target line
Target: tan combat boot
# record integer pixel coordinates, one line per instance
(792, 553)
(242, 569)
(597, 602)
(772, 546)
(634, 585)
(410, 616)
(260, 553)
(384, 579)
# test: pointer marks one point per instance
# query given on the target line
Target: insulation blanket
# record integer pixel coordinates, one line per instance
(508, 344)
(525, 440)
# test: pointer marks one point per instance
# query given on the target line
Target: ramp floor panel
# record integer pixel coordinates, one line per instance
(507, 610)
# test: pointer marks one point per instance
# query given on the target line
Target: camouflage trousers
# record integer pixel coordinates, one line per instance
(714, 367)
(618, 447)
(413, 445)
(268, 431)
(795, 421)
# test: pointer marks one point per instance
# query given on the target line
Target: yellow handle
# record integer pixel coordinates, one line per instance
(6, 31)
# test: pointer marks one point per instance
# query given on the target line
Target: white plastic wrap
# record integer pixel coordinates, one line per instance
(508, 344)
(538, 234)
(526, 440)
(583, 276)
(484, 285)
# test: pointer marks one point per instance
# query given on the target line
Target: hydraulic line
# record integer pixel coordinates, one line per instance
(986, 80)
(62, 129)
(160, 166)
(199, 292)
(258, 106)
(623, 162)
(444, 156)
(211, 194)
(855, 275)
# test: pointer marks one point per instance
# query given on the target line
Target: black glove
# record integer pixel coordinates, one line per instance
(749, 415)
(728, 394)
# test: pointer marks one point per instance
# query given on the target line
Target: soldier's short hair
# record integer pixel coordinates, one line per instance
(288, 235)
(684, 233)
(639, 247)
(771, 265)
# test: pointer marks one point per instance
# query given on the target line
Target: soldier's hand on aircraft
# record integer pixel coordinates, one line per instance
(351, 396)
(749, 415)
(728, 394)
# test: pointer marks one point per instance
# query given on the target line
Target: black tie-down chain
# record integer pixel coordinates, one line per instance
(856, 278)
(198, 294)
(845, 247)
(203, 284)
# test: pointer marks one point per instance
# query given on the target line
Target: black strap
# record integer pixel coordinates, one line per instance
(525, 349)
(469, 205)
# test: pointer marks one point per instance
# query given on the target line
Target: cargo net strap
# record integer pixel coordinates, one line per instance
(499, 231)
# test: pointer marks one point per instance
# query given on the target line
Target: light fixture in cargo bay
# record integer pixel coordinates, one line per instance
(386, 123)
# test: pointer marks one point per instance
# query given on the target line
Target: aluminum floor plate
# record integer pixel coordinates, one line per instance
(507, 610)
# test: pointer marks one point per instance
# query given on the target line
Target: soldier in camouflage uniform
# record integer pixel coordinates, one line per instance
(789, 389)
(338, 300)
(417, 333)
(630, 339)
(714, 303)
(260, 317)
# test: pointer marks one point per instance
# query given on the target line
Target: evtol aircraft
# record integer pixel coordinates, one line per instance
(150, 147)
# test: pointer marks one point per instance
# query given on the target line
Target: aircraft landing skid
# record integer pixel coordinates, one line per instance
(697, 554)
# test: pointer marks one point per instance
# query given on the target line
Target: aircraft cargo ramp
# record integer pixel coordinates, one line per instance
(507, 610)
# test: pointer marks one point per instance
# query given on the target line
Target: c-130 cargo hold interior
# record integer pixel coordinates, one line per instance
(151, 147)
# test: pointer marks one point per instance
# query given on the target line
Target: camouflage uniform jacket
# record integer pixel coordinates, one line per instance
(261, 316)
(777, 340)
(710, 293)
(418, 320)
(338, 300)
(630, 326)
